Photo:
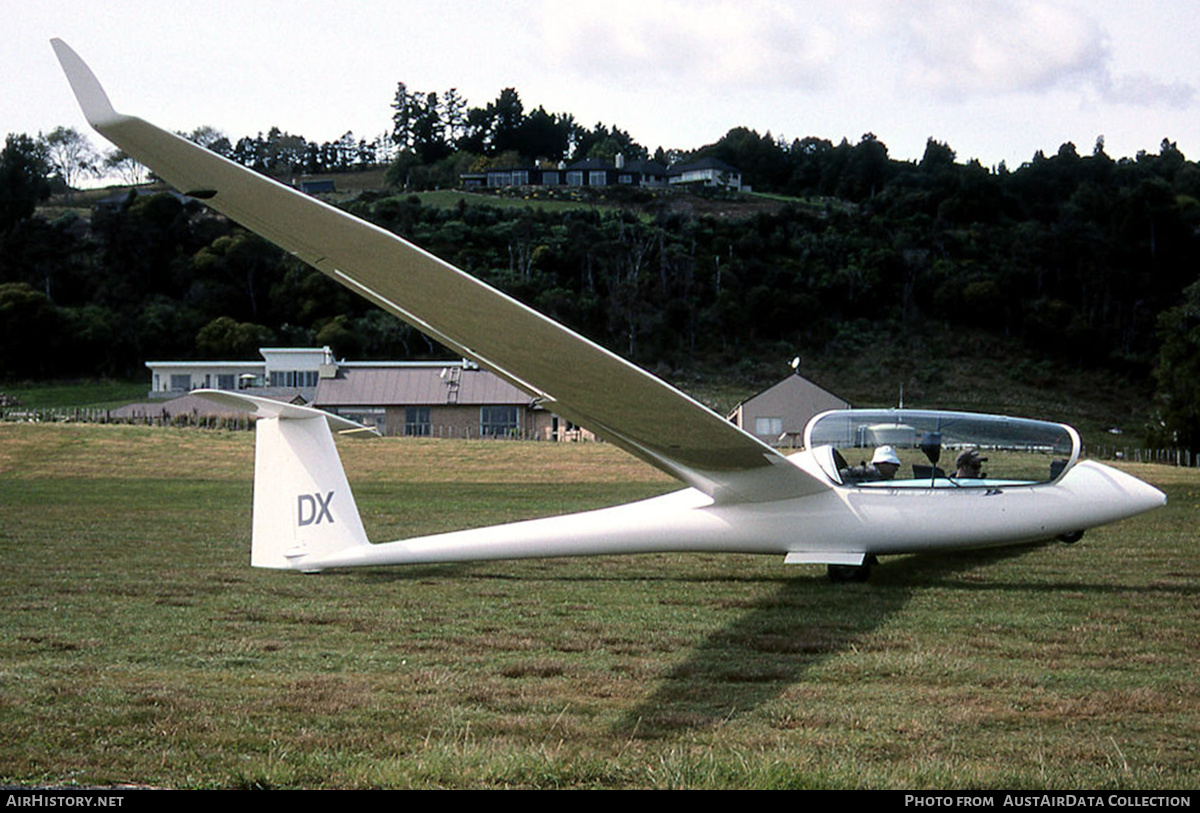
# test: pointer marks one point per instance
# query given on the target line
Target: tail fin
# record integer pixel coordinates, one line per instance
(302, 501)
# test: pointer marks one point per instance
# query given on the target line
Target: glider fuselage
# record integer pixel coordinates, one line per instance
(842, 525)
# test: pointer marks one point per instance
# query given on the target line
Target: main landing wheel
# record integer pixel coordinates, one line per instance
(1071, 538)
(843, 574)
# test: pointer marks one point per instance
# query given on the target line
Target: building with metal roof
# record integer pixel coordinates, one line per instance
(436, 399)
(778, 414)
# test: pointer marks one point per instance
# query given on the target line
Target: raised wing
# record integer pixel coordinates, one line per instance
(568, 374)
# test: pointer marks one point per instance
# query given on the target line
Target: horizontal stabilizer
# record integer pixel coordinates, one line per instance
(270, 408)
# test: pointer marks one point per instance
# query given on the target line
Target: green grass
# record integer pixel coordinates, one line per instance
(449, 198)
(103, 394)
(136, 644)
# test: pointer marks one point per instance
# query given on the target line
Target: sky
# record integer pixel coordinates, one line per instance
(995, 80)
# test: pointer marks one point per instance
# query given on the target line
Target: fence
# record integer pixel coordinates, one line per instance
(237, 422)
(1169, 457)
(104, 416)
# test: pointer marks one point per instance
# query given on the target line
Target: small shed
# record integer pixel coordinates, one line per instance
(778, 415)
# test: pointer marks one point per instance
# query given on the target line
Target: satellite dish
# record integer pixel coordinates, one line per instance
(796, 364)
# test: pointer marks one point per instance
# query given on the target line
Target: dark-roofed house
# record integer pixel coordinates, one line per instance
(437, 399)
(588, 172)
(778, 415)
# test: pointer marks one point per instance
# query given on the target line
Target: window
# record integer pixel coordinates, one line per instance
(597, 177)
(416, 422)
(550, 179)
(225, 381)
(181, 382)
(294, 378)
(574, 179)
(368, 416)
(520, 177)
(498, 421)
(768, 426)
(626, 179)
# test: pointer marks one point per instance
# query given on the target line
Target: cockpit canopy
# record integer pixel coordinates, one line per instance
(919, 448)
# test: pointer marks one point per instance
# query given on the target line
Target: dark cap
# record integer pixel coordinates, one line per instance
(969, 458)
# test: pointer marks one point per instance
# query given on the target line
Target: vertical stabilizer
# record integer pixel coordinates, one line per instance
(302, 500)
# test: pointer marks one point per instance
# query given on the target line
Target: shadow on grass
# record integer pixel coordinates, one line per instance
(780, 638)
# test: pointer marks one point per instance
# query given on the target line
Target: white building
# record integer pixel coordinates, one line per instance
(294, 369)
(707, 172)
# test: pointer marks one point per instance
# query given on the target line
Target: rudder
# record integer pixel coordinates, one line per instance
(302, 500)
(303, 505)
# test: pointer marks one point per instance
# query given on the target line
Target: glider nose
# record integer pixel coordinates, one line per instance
(1138, 495)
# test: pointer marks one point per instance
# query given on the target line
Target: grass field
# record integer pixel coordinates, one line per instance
(85, 394)
(138, 646)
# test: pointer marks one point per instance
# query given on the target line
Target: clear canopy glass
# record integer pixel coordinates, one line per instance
(929, 448)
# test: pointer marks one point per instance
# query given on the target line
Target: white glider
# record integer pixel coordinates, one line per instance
(740, 496)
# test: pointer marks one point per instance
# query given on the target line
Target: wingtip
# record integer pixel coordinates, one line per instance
(91, 96)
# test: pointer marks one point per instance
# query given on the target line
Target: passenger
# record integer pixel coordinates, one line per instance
(886, 463)
(883, 466)
(970, 465)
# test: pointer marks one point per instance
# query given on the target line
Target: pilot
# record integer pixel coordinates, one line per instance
(969, 464)
(883, 466)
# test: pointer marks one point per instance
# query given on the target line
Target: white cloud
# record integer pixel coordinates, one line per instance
(1144, 90)
(958, 50)
(749, 44)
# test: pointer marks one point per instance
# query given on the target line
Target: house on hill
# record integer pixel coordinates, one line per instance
(778, 415)
(590, 172)
(706, 172)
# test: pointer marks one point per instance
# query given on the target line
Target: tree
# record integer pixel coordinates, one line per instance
(866, 169)
(454, 114)
(510, 113)
(125, 167)
(478, 131)
(210, 138)
(604, 142)
(542, 135)
(427, 132)
(225, 337)
(762, 160)
(1178, 371)
(402, 116)
(71, 154)
(24, 169)
(25, 313)
(938, 155)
